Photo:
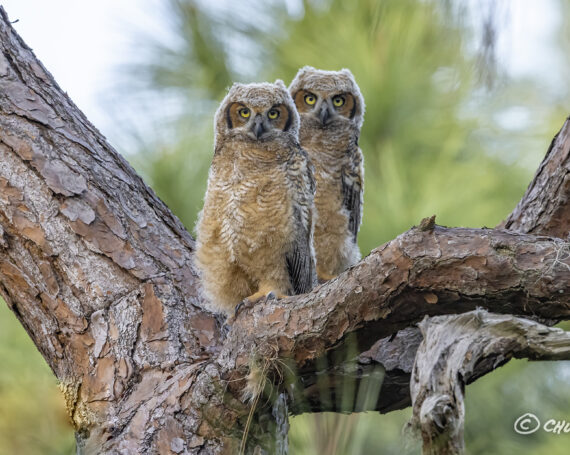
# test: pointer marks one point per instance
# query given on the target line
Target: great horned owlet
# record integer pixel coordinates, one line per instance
(331, 108)
(254, 234)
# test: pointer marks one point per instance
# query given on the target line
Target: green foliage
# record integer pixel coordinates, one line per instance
(420, 154)
(494, 403)
(33, 420)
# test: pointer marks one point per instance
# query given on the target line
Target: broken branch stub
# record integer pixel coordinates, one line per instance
(449, 357)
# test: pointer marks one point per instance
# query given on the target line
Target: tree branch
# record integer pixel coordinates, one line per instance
(419, 273)
(94, 266)
(450, 356)
(545, 207)
(396, 354)
(82, 234)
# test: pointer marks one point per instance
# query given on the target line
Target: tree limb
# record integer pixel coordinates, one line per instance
(446, 270)
(450, 356)
(549, 186)
(419, 273)
(545, 207)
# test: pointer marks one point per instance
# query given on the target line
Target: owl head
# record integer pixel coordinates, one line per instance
(257, 112)
(327, 98)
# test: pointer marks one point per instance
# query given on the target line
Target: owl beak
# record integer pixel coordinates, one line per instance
(258, 129)
(324, 115)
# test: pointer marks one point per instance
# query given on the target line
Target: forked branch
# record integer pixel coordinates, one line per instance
(450, 356)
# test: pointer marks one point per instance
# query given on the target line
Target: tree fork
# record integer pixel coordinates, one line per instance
(100, 274)
(544, 209)
(452, 350)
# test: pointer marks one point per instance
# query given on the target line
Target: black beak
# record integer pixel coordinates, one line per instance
(324, 115)
(258, 129)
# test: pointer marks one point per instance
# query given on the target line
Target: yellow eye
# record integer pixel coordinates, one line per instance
(338, 101)
(244, 112)
(273, 114)
(310, 99)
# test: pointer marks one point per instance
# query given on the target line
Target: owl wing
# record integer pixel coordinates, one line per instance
(352, 179)
(300, 258)
(300, 263)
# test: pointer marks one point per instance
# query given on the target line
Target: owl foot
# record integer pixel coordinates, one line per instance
(323, 277)
(243, 305)
(274, 295)
(248, 302)
(265, 291)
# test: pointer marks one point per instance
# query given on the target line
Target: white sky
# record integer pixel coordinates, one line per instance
(82, 42)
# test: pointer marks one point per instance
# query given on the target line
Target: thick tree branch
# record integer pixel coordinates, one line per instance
(451, 354)
(94, 265)
(396, 354)
(545, 207)
(419, 273)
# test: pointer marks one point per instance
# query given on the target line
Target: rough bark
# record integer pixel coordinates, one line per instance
(451, 354)
(397, 353)
(419, 273)
(443, 367)
(100, 274)
(97, 270)
(545, 207)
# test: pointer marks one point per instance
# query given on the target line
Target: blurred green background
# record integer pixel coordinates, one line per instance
(448, 130)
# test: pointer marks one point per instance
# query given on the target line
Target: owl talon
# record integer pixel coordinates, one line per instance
(243, 305)
(277, 296)
(225, 329)
(237, 308)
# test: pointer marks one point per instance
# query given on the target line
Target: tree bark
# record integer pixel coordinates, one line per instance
(437, 395)
(452, 352)
(545, 207)
(99, 273)
(397, 353)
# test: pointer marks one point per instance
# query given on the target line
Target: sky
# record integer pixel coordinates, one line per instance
(82, 43)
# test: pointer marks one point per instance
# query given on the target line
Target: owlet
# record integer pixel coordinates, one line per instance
(254, 234)
(331, 108)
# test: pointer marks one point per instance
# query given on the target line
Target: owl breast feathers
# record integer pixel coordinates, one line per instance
(254, 234)
(331, 109)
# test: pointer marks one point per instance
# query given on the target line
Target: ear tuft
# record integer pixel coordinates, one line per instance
(235, 86)
(307, 68)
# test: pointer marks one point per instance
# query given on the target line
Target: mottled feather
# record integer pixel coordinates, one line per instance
(254, 232)
(352, 191)
(331, 109)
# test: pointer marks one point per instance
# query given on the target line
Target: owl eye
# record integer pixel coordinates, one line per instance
(273, 114)
(244, 112)
(310, 99)
(338, 101)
